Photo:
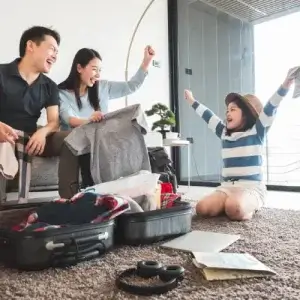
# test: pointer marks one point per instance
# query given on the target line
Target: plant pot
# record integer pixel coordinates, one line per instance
(172, 135)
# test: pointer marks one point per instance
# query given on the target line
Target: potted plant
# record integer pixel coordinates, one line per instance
(167, 118)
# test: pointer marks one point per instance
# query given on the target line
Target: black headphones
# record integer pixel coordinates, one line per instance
(169, 275)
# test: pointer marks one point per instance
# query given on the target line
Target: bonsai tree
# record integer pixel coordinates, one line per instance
(167, 118)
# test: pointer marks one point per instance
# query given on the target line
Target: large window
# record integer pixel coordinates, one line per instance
(218, 54)
(276, 50)
(215, 56)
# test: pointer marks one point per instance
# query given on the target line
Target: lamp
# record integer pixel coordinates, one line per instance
(131, 42)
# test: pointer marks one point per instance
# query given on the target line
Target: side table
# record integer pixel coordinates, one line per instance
(180, 143)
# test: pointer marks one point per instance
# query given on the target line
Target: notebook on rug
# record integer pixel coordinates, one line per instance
(202, 241)
(224, 266)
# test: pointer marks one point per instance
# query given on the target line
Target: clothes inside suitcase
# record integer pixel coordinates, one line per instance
(62, 232)
(154, 226)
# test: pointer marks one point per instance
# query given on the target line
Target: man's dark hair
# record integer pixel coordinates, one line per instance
(36, 34)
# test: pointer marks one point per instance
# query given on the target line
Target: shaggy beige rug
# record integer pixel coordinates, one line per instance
(272, 237)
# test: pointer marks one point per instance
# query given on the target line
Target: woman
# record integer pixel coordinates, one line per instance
(84, 97)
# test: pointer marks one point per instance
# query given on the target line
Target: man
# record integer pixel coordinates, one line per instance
(24, 92)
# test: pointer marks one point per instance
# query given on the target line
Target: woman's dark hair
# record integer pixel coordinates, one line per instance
(249, 118)
(82, 57)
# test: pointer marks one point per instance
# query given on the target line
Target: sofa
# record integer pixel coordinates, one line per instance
(44, 175)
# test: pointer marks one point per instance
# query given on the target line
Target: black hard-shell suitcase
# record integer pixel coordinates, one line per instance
(55, 248)
(154, 226)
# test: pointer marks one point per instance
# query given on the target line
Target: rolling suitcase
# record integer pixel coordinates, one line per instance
(63, 232)
(55, 248)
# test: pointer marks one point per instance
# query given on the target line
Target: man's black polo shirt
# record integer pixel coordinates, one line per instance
(20, 103)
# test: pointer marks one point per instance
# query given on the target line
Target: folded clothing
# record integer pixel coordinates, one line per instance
(168, 197)
(83, 208)
(8, 162)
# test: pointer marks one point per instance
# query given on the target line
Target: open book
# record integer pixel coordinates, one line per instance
(224, 266)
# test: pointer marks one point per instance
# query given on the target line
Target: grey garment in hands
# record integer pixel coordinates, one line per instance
(116, 144)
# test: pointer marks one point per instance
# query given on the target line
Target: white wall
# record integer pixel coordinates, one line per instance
(104, 25)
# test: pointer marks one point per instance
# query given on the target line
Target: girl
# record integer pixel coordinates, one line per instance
(242, 191)
(84, 97)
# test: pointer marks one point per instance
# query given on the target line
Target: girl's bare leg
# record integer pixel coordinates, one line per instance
(212, 205)
(241, 206)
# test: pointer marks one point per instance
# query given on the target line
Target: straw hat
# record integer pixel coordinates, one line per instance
(252, 102)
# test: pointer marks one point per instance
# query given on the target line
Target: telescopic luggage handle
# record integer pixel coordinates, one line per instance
(74, 250)
(66, 261)
(51, 245)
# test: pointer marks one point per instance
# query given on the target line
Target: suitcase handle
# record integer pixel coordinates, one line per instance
(72, 260)
(100, 237)
(77, 251)
(85, 248)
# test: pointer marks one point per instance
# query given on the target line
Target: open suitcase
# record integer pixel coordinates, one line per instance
(154, 226)
(62, 232)
(55, 248)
